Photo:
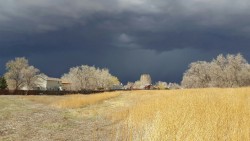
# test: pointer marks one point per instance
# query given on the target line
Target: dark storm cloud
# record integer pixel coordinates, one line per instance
(123, 34)
(159, 25)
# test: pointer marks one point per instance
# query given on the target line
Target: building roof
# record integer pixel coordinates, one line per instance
(65, 82)
(53, 79)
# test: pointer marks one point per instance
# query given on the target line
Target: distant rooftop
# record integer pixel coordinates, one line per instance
(53, 79)
(65, 82)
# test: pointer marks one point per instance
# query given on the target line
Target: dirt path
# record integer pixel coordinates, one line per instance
(22, 120)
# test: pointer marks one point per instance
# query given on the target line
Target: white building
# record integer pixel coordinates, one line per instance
(45, 83)
(48, 83)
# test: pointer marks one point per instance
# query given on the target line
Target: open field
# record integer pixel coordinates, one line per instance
(195, 114)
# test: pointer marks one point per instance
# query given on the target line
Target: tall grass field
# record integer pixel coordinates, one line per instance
(155, 115)
(196, 114)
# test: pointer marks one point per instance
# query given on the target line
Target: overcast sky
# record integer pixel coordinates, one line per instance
(130, 37)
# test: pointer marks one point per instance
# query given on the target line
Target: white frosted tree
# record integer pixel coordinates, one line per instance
(14, 75)
(138, 85)
(20, 74)
(129, 85)
(107, 80)
(197, 75)
(75, 78)
(29, 75)
(89, 78)
(161, 85)
(145, 79)
(224, 71)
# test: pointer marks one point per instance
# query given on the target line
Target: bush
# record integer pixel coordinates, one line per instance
(3, 83)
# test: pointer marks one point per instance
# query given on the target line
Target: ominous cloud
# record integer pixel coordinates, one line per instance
(130, 37)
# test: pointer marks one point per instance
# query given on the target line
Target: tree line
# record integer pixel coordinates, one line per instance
(223, 71)
(19, 74)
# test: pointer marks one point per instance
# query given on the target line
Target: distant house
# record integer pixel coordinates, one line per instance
(46, 83)
(66, 85)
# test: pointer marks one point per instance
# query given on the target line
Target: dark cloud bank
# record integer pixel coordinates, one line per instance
(129, 37)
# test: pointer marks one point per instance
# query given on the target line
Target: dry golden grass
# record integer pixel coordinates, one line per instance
(198, 114)
(72, 101)
(44, 99)
(78, 101)
(194, 114)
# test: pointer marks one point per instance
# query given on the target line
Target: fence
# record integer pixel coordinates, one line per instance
(37, 92)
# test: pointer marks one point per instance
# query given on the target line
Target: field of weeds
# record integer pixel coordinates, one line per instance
(194, 114)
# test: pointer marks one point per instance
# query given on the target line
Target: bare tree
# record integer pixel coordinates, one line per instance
(20, 74)
(197, 75)
(107, 80)
(88, 77)
(75, 78)
(228, 71)
(14, 75)
(161, 85)
(173, 86)
(30, 76)
(138, 85)
(145, 79)
(129, 85)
